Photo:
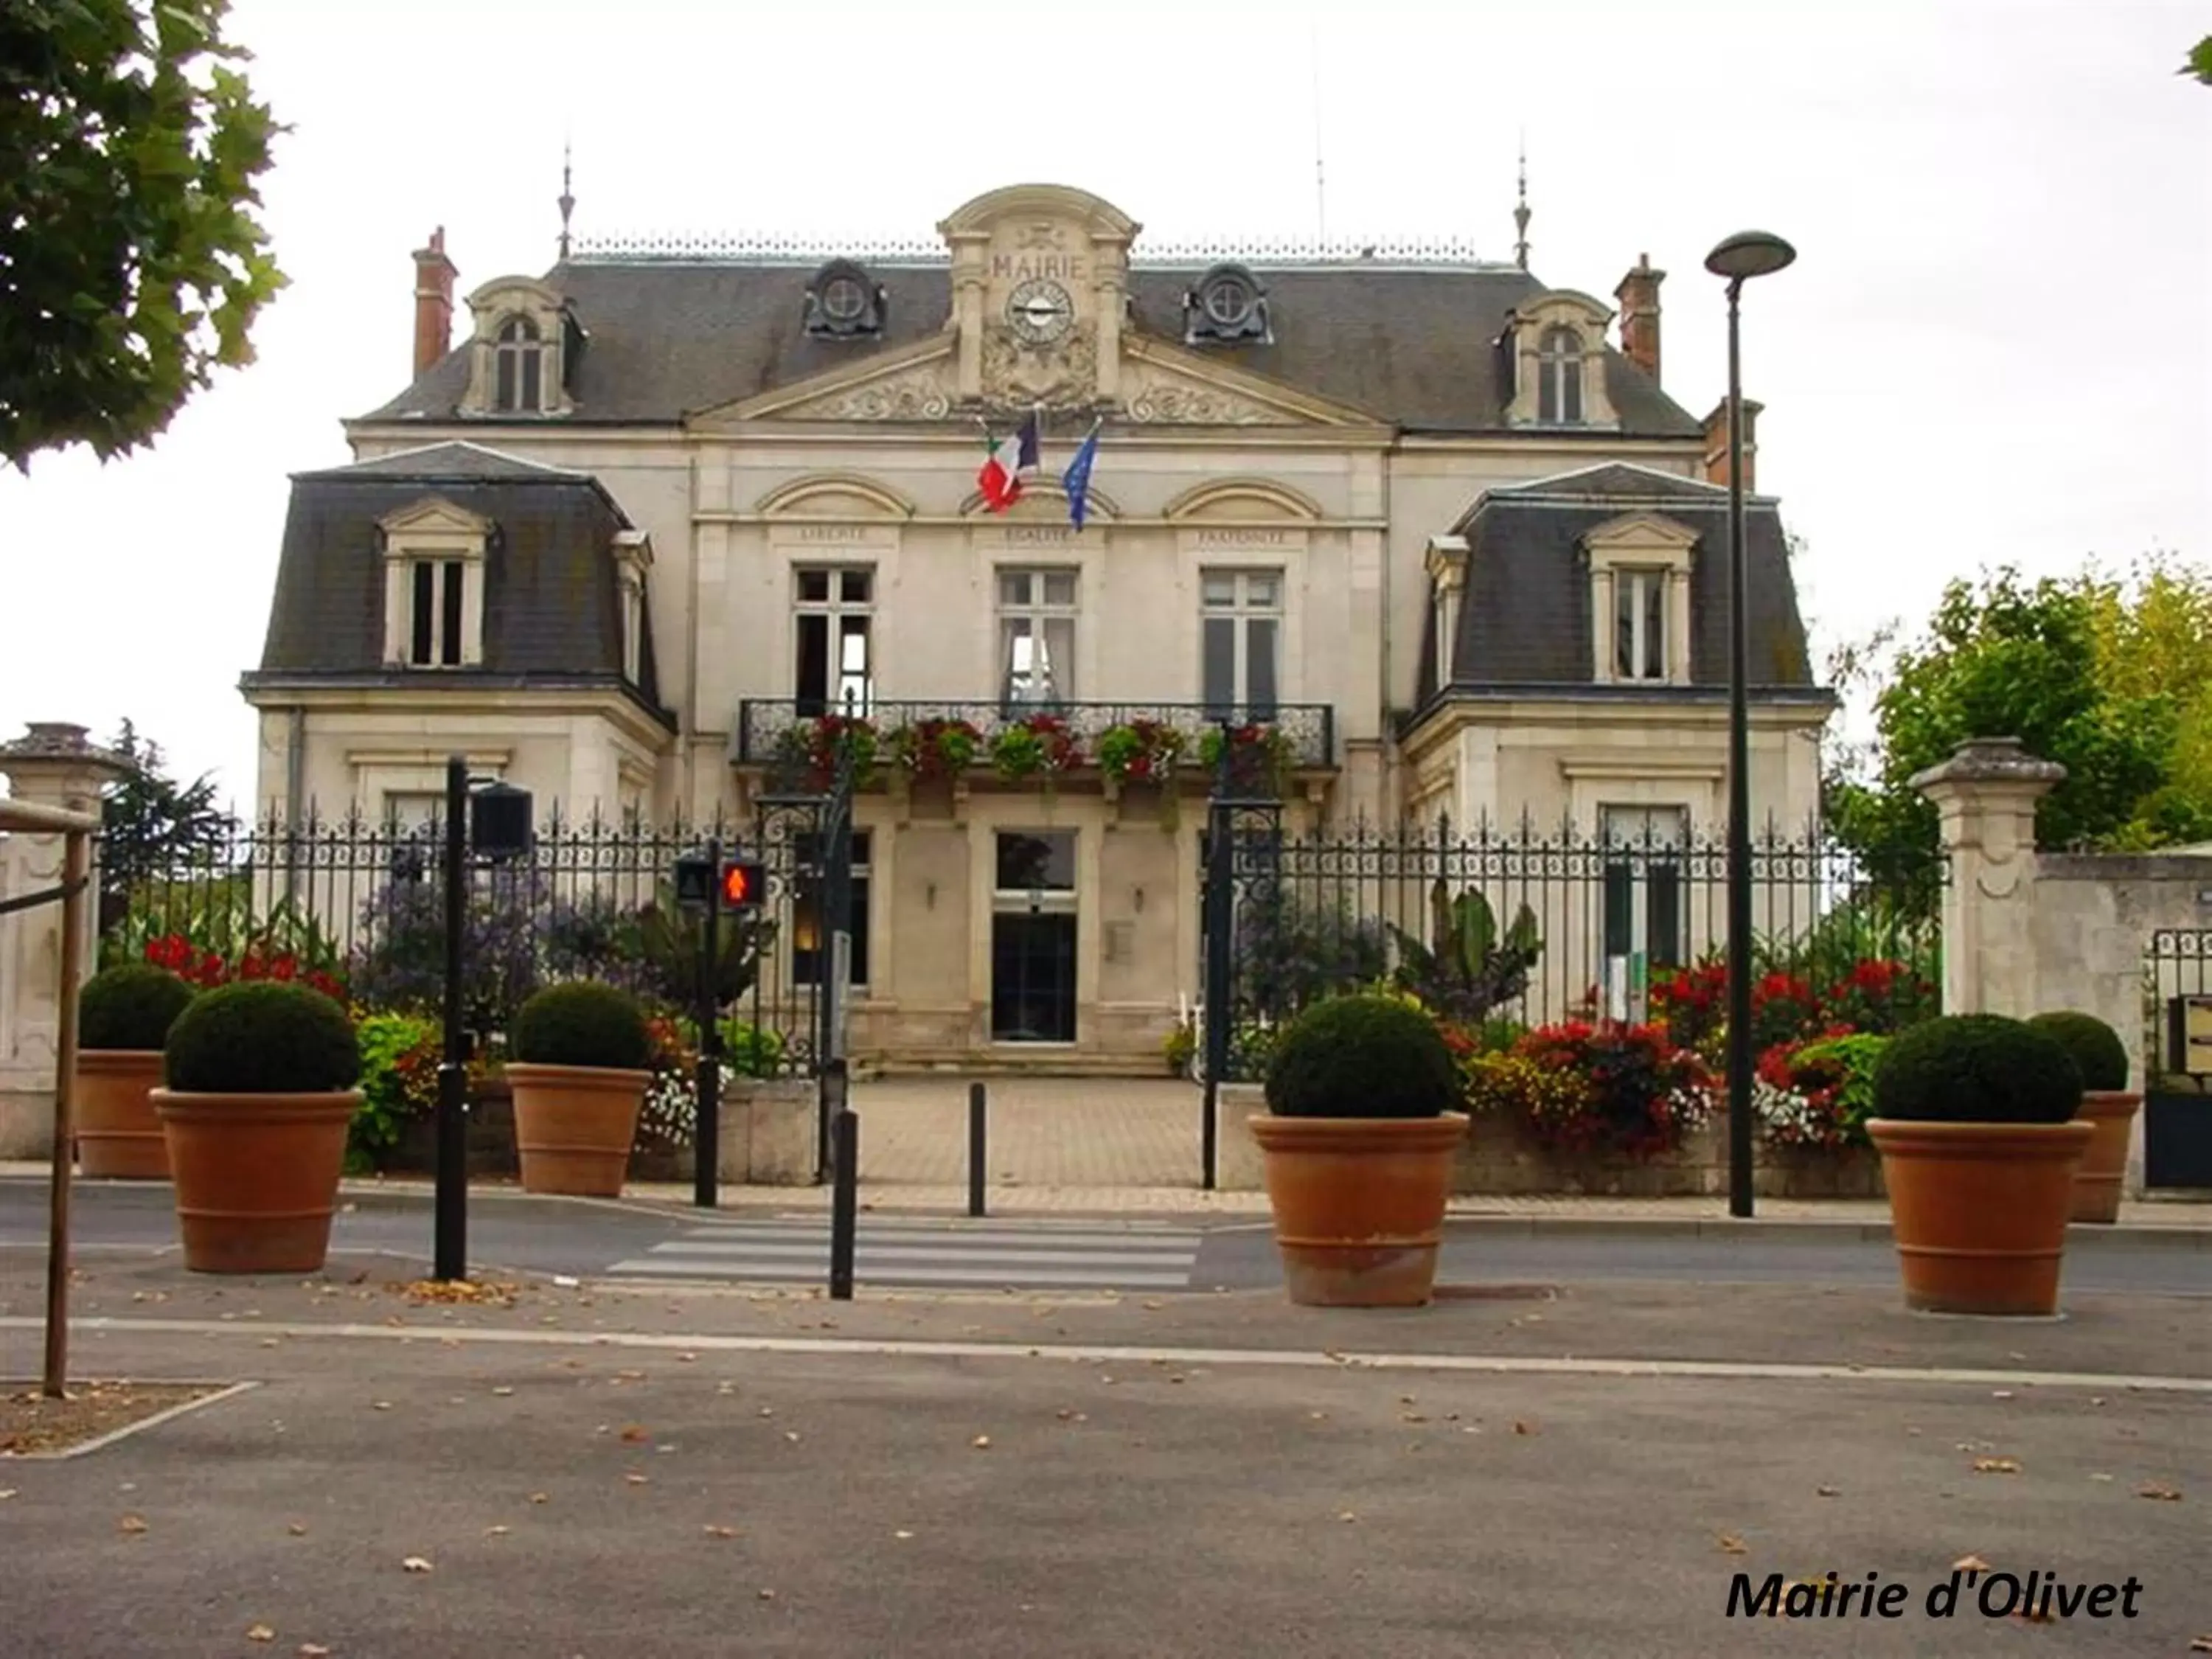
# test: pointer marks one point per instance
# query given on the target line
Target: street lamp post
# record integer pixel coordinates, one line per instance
(1747, 254)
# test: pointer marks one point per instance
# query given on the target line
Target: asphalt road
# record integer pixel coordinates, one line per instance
(559, 1497)
(598, 1241)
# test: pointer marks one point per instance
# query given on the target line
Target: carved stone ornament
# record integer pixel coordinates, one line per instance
(1160, 399)
(917, 394)
(1060, 374)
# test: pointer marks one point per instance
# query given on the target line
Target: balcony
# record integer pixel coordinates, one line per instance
(1099, 735)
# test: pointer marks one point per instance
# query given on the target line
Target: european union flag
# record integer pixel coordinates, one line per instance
(1077, 479)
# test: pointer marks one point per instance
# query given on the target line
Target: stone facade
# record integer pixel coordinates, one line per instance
(1272, 470)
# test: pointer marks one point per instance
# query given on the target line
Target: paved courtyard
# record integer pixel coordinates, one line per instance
(1045, 1132)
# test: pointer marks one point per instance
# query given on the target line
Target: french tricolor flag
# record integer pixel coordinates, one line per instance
(1010, 461)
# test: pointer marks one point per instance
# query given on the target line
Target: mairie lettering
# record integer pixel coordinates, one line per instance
(1020, 267)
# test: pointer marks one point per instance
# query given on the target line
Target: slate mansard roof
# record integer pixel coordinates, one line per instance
(552, 599)
(1414, 346)
(1524, 619)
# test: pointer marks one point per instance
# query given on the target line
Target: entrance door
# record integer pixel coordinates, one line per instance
(1033, 932)
(1644, 911)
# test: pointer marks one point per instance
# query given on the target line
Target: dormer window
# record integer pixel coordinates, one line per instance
(1556, 344)
(434, 586)
(518, 367)
(525, 351)
(1559, 378)
(843, 303)
(633, 553)
(1226, 306)
(1639, 575)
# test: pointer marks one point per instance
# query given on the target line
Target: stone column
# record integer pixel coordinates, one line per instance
(51, 765)
(1987, 793)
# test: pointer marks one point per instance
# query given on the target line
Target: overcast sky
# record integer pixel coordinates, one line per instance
(1996, 345)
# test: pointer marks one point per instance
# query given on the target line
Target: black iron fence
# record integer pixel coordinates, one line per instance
(1533, 928)
(358, 905)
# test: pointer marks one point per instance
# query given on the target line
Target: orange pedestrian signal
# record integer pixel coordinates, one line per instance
(744, 885)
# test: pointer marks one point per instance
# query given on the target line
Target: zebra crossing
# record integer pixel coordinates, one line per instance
(1018, 1254)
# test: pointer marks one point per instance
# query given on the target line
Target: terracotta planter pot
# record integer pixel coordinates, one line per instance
(1359, 1203)
(1979, 1211)
(2110, 1116)
(118, 1136)
(574, 1125)
(256, 1176)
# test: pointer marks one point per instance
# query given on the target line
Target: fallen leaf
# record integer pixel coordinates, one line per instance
(721, 1532)
(311, 1650)
(2001, 1394)
(540, 1498)
(902, 1532)
(1347, 1516)
(1970, 1564)
(259, 1633)
(6, 1492)
(1824, 1491)
(2159, 1490)
(635, 1435)
(2202, 1644)
(131, 1525)
(638, 1479)
(494, 1532)
(414, 1563)
(381, 1406)
(767, 1595)
(1732, 1545)
(792, 1435)
(685, 1359)
(298, 1530)
(2100, 1477)
(1996, 1466)
(1412, 1417)
(1318, 1416)
(981, 1443)
(503, 1392)
(1521, 1427)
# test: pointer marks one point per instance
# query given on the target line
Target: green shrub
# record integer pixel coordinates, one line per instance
(129, 1007)
(2095, 1046)
(1362, 1056)
(582, 1023)
(262, 1037)
(1976, 1068)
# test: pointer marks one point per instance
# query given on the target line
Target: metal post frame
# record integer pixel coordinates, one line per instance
(76, 864)
(451, 1224)
(1739, 799)
(707, 1131)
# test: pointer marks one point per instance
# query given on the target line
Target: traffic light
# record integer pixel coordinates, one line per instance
(744, 884)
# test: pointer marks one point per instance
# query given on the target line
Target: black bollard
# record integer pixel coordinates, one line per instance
(844, 1201)
(978, 1147)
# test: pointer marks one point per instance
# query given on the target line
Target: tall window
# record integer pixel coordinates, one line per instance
(1643, 912)
(1559, 383)
(837, 668)
(810, 937)
(1639, 624)
(1241, 626)
(435, 616)
(1037, 636)
(519, 367)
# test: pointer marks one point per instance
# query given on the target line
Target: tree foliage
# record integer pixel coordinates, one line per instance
(2112, 678)
(154, 828)
(2200, 62)
(130, 262)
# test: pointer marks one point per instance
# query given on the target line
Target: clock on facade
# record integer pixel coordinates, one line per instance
(1040, 311)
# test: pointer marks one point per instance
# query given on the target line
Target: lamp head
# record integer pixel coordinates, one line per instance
(1750, 253)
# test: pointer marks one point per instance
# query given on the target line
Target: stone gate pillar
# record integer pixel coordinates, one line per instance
(51, 765)
(1987, 793)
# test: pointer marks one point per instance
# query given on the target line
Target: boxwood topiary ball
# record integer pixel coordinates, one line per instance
(262, 1037)
(1976, 1068)
(1362, 1056)
(2095, 1046)
(129, 1007)
(582, 1023)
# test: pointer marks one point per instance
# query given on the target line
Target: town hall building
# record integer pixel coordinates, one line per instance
(1421, 526)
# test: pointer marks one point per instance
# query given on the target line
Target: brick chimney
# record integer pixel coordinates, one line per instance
(434, 302)
(1638, 294)
(1717, 445)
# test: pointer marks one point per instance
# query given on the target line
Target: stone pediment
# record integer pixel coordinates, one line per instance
(1158, 384)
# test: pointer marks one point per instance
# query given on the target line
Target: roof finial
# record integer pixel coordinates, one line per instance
(1521, 211)
(568, 201)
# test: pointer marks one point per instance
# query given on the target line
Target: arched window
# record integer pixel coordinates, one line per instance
(518, 373)
(1559, 377)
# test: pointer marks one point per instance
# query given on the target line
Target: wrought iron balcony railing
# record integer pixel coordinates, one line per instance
(1303, 734)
